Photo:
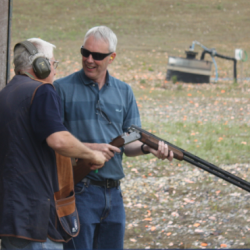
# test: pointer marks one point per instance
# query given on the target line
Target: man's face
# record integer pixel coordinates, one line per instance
(50, 78)
(94, 69)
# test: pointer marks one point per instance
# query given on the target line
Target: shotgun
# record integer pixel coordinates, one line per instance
(136, 133)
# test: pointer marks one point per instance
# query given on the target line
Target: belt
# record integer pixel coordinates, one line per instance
(108, 183)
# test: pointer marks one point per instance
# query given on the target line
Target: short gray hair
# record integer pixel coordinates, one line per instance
(22, 58)
(104, 33)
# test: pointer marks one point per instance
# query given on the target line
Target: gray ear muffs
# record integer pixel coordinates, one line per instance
(41, 65)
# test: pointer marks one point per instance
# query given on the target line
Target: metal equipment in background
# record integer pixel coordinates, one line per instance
(189, 69)
(192, 70)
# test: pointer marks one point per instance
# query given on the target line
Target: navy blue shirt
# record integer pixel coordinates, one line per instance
(45, 112)
(28, 171)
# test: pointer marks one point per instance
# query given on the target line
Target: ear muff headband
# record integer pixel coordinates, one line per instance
(41, 65)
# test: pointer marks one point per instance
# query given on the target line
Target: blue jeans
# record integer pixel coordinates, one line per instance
(12, 243)
(102, 218)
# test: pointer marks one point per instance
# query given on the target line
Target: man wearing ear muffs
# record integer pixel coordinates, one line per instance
(95, 101)
(37, 206)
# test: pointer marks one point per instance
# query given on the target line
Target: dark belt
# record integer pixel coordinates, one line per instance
(108, 183)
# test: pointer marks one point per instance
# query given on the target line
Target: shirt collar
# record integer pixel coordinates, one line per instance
(88, 81)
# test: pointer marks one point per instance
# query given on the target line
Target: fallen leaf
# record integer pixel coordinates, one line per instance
(153, 228)
(199, 231)
(188, 200)
(148, 219)
(203, 244)
(212, 218)
(134, 170)
(149, 213)
(223, 245)
(133, 240)
(169, 233)
(196, 224)
(188, 181)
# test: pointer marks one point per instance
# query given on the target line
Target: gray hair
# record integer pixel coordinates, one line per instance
(104, 33)
(22, 58)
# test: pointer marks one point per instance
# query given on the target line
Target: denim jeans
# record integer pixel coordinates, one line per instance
(102, 218)
(12, 243)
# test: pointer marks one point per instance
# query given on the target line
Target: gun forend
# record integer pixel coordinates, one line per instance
(152, 141)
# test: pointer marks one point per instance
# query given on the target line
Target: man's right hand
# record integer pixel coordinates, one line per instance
(107, 150)
(98, 160)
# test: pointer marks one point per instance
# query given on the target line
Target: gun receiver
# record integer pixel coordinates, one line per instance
(180, 154)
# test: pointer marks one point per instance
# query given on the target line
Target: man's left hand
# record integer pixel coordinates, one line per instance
(162, 152)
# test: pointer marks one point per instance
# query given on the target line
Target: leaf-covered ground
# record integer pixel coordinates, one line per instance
(177, 205)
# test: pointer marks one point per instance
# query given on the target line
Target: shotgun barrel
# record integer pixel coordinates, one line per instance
(182, 154)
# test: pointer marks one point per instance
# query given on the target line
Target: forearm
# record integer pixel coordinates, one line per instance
(93, 146)
(133, 149)
(66, 144)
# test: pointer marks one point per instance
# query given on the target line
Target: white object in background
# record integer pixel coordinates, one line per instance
(238, 54)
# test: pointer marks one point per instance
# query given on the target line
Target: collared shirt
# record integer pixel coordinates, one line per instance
(98, 116)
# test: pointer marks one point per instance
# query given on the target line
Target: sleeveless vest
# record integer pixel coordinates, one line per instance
(30, 193)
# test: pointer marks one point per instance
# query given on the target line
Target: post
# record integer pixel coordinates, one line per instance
(5, 34)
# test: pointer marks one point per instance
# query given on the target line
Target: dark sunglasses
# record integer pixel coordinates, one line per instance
(96, 55)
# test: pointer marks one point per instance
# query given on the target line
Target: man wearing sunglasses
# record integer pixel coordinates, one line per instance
(96, 102)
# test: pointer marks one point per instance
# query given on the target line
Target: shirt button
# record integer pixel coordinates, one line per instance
(93, 85)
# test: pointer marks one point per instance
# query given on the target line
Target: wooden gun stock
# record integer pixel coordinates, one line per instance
(82, 167)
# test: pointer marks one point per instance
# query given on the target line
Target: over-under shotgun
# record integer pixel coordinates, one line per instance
(136, 133)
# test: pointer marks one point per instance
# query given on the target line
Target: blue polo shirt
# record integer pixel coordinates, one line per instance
(98, 116)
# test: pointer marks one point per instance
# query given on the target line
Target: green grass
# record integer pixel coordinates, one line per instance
(212, 142)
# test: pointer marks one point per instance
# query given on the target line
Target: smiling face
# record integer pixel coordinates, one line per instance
(94, 69)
